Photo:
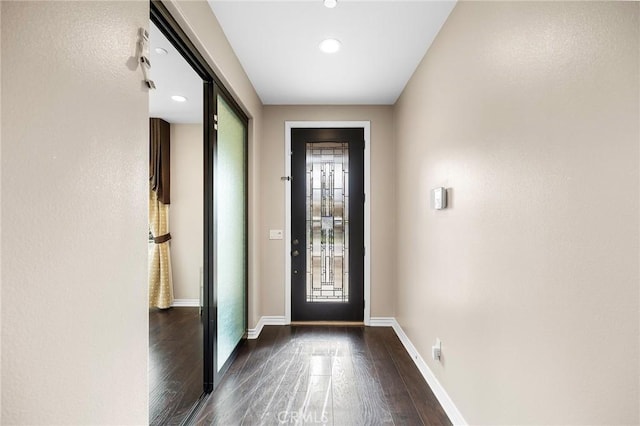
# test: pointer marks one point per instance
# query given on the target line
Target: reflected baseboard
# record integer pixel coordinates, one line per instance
(186, 303)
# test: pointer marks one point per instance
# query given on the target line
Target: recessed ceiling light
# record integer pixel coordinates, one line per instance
(161, 51)
(330, 45)
(330, 3)
(179, 98)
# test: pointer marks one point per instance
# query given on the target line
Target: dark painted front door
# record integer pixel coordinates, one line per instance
(327, 224)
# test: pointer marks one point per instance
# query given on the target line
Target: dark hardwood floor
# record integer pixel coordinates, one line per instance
(175, 364)
(338, 376)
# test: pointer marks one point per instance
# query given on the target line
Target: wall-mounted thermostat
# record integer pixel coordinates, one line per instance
(439, 198)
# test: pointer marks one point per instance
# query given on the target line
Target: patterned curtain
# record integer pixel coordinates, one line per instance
(160, 280)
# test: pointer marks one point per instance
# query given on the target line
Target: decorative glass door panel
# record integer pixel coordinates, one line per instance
(327, 222)
(231, 238)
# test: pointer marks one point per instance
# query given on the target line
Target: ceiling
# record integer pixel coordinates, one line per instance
(382, 44)
(277, 43)
(172, 75)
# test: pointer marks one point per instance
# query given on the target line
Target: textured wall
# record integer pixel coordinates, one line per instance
(382, 199)
(74, 214)
(529, 113)
(185, 213)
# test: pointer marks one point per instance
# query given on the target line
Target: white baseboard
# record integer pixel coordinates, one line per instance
(186, 303)
(443, 397)
(382, 322)
(254, 333)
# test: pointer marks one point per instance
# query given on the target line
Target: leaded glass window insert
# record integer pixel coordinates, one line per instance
(327, 222)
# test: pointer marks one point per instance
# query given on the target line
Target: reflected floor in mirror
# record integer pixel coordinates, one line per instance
(329, 375)
(175, 363)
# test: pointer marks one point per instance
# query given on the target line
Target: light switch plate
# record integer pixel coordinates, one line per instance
(275, 234)
(439, 198)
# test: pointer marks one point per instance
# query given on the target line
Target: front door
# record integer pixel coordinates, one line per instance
(327, 224)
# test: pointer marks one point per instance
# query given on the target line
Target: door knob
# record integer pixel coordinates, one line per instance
(295, 253)
(295, 272)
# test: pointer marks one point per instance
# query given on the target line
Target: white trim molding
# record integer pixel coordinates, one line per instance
(382, 322)
(366, 125)
(441, 394)
(185, 303)
(254, 333)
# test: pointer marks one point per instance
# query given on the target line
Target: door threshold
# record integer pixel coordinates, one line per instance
(331, 323)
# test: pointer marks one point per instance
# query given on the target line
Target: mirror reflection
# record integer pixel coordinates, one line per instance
(175, 234)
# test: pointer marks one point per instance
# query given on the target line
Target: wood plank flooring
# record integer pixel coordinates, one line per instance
(340, 376)
(175, 364)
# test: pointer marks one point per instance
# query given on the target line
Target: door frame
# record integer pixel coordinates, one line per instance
(366, 125)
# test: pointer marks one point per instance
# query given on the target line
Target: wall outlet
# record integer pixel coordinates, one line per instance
(436, 350)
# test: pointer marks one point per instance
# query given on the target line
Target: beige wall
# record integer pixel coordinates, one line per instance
(1, 275)
(382, 199)
(186, 218)
(203, 29)
(529, 113)
(74, 214)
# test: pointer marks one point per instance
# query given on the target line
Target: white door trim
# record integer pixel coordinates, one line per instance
(366, 125)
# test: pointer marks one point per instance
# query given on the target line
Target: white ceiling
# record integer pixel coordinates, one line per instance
(172, 75)
(382, 44)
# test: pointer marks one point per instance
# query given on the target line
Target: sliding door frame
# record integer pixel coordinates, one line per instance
(218, 92)
(213, 87)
